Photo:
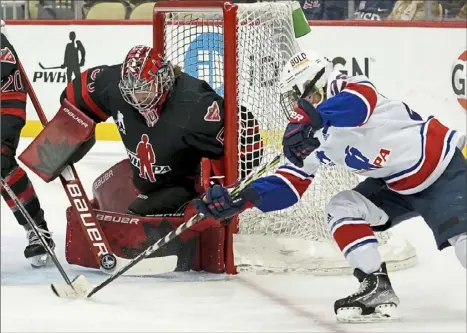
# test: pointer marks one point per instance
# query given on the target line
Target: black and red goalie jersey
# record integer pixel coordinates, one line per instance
(167, 120)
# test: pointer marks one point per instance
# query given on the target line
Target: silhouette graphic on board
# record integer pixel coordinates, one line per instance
(74, 58)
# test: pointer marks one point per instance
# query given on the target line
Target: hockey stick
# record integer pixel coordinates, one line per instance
(74, 288)
(45, 68)
(74, 190)
(175, 233)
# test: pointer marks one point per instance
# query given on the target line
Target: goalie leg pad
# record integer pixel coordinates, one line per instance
(114, 190)
(129, 235)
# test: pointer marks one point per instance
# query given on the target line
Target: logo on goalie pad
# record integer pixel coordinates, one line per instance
(213, 113)
(108, 261)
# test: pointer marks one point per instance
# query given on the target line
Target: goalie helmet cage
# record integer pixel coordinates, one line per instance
(240, 50)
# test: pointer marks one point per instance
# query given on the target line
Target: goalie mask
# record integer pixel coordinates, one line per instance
(145, 81)
(304, 76)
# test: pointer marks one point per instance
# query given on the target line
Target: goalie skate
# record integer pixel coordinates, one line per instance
(374, 301)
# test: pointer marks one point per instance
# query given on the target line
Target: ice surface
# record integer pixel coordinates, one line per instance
(433, 293)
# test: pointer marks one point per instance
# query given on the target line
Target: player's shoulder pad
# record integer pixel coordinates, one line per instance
(96, 79)
(102, 75)
(9, 58)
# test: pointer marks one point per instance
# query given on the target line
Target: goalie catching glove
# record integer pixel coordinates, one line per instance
(219, 204)
(298, 141)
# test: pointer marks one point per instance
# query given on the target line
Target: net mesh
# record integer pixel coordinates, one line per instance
(297, 238)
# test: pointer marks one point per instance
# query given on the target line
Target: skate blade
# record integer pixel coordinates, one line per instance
(383, 313)
(39, 260)
(80, 288)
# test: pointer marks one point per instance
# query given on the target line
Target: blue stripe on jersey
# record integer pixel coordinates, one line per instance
(300, 172)
(343, 110)
(448, 146)
(274, 192)
(403, 172)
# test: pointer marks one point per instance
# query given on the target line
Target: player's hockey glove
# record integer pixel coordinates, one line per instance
(298, 141)
(219, 205)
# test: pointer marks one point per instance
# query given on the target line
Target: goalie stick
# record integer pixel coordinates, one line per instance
(75, 287)
(170, 236)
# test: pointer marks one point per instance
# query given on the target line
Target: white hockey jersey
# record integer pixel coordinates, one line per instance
(370, 135)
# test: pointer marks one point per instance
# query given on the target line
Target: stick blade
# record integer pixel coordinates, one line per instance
(80, 288)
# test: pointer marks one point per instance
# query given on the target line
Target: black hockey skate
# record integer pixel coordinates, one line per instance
(374, 301)
(35, 252)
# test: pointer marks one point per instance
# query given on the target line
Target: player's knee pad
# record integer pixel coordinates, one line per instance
(366, 257)
(459, 243)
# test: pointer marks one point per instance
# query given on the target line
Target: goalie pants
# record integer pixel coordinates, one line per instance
(13, 174)
(353, 215)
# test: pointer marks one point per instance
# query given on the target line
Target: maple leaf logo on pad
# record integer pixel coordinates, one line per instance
(52, 156)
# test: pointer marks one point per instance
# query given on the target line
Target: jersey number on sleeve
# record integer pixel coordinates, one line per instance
(13, 83)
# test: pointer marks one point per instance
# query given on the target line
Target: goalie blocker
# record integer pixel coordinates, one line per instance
(64, 141)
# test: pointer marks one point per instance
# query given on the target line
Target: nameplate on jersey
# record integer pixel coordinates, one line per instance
(157, 169)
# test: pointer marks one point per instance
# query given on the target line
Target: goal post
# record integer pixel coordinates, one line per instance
(187, 16)
(240, 50)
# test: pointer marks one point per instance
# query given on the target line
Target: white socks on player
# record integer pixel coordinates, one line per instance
(366, 258)
(459, 243)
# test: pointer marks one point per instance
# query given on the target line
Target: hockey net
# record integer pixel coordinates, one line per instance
(240, 51)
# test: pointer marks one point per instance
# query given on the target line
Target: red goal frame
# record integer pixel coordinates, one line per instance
(229, 12)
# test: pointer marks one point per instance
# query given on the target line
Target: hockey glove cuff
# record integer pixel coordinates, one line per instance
(305, 108)
(219, 205)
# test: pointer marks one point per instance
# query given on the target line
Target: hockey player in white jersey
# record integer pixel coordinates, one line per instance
(414, 166)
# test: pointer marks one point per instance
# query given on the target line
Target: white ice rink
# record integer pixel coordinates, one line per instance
(433, 293)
